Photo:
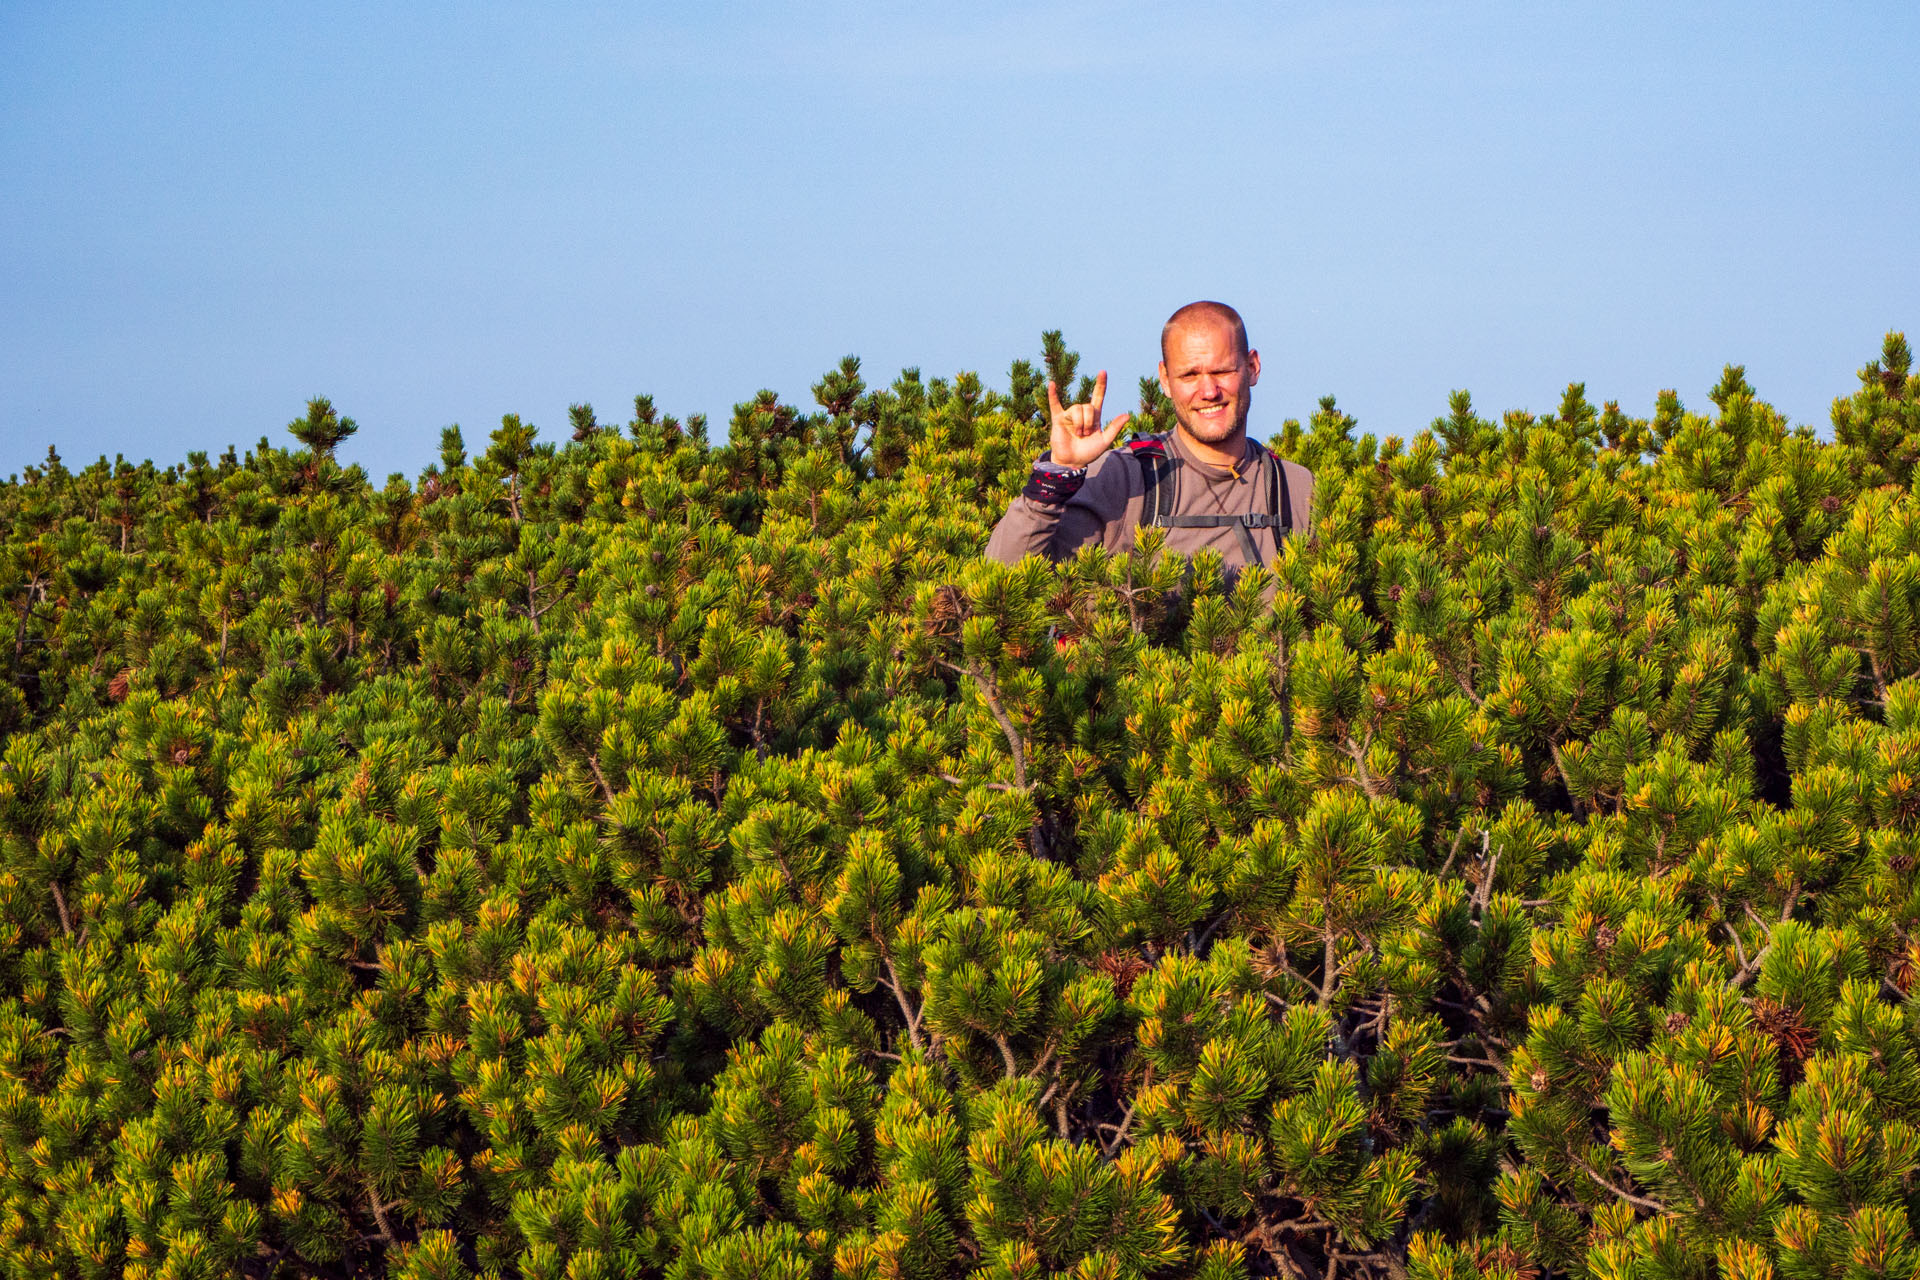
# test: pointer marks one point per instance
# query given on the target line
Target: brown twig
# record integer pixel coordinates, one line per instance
(1637, 1201)
(379, 1212)
(60, 901)
(900, 994)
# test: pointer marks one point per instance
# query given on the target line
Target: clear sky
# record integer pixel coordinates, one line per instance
(437, 213)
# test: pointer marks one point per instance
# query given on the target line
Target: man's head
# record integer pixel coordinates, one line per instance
(1208, 371)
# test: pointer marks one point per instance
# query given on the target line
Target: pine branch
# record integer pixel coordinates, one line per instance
(1466, 686)
(1006, 1055)
(1750, 967)
(900, 995)
(1878, 672)
(36, 591)
(1361, 774)
(1560, 767)
(1459, 837)
(1380, 1258)
(1488, 1063)
(1041, 1065)
(1637, 1201)
(1109, 1146)
(1747, 968)
(1483, 892)
(1281, 963)
(1194, 945)
(379, 1211)
(60, 902)
(990, 694)
(1283, 691)
(962, 782)
(606, 789)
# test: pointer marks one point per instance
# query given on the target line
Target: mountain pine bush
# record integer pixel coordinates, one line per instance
(640, 856)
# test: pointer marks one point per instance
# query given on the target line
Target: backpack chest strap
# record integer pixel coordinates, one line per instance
(1255, 520)
(1161, 475)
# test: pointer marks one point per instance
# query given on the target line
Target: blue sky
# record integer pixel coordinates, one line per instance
(441, 213)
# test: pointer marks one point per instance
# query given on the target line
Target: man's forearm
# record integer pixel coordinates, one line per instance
(1028, 528)
(1032, 522)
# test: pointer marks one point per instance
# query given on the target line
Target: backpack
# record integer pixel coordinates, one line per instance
(1160, 471)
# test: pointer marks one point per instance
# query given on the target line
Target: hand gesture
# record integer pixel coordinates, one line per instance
(1076, 437)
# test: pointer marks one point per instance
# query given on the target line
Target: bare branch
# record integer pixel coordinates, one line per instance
(1637, 1201)
(1006, 1055)
(60, 902)
(606, 788)
(379, 1212)
(900, 994)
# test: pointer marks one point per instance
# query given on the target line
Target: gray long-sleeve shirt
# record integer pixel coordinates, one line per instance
(1106, 509)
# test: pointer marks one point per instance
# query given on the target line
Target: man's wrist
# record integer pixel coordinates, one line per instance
(1052, 482)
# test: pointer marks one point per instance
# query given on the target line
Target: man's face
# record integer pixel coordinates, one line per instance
(1208, 380)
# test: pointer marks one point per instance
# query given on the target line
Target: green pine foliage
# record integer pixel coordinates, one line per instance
(639, 856)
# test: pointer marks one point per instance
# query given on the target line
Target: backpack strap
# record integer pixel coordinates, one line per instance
(1159, 478)
(1239, 524)
(1281, 494)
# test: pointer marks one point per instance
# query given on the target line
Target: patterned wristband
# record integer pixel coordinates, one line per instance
(1052, 483)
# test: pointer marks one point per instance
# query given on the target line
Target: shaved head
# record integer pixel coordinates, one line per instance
(1194, 312)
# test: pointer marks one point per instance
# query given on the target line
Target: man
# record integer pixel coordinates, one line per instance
(1204, 481)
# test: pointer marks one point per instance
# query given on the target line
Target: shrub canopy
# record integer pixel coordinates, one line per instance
(642, 857)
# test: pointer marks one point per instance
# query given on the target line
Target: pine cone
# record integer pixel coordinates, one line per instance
(948, 610)
(1123, 967)
(1785, 1026)
(1504, 1257)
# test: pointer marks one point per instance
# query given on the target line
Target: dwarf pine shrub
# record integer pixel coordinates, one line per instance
(640, 856)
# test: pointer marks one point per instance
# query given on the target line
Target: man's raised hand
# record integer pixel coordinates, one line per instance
(1076, 437)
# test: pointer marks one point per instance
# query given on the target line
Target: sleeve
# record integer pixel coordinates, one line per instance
(1050, 517)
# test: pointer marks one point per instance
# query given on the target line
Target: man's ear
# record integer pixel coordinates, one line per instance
(1253, 368)
(1164, 384)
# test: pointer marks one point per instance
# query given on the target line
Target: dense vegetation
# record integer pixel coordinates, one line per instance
(642, 858)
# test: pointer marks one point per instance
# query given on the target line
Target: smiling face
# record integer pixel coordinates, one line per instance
(1210, 381)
